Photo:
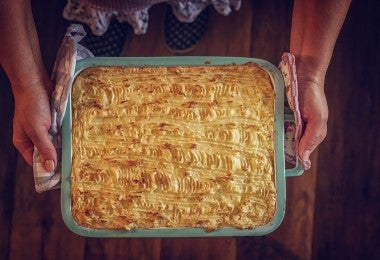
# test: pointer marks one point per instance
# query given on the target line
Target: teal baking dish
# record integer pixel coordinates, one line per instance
(280, 175)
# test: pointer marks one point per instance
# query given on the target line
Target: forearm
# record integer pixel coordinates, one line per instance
(315, 28)
(20, 52)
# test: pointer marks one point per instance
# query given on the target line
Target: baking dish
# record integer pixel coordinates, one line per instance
(280, 171)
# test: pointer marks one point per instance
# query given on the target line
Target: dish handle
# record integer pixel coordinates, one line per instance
(296, 171)
(290, 150)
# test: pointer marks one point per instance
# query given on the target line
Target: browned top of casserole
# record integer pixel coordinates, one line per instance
(163, 147)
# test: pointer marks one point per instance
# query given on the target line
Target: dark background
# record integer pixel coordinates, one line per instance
(332, 210)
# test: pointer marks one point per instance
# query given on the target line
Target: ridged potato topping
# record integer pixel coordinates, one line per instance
(169, 147)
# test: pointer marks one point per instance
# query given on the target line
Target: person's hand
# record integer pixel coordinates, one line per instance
(314, 111)
(32, 120)
(315, 28)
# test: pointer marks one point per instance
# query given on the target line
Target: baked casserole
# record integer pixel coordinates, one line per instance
(173, 147)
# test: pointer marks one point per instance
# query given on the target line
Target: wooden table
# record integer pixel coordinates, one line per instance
(332, 210)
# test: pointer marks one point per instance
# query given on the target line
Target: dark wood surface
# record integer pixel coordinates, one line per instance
(332, 210)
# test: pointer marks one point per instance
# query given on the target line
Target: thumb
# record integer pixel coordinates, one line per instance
(314, 134)
(48, 154)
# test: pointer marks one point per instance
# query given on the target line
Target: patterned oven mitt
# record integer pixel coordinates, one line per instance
(68, 54)
(293, 129)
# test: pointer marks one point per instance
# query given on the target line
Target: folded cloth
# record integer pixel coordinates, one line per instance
(98, 14)
(293, 130)
(69, 53)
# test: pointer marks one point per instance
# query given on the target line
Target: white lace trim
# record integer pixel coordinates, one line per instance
(98, 20)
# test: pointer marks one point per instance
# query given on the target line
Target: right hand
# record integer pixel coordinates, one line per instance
(31, 123)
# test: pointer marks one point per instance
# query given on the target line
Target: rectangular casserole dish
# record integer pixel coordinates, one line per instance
(280, 172)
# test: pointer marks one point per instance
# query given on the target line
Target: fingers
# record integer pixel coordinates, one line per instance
(25, 147)
(314, 111)
(315, 133)
(25, 143)
(31, 122)
(48, 154)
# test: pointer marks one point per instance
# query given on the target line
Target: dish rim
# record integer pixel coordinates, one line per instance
(280, 172)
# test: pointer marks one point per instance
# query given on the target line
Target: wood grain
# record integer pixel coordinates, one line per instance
(347, 210)
(8, 158)
(332, 210)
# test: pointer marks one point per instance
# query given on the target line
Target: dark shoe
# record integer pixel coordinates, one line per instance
(183, 37)
(112, 43)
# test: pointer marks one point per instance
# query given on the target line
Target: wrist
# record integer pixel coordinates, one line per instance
(22, 90)
(310, 71)
(37, 84)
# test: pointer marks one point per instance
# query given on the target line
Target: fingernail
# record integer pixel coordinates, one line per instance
(49, 165)
(306, 165)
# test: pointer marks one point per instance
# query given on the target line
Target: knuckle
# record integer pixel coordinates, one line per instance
(324, 118)
(23, 147)
(18, 143)
(31, 132)
(321, 118)
(319, 137)
(46, 152)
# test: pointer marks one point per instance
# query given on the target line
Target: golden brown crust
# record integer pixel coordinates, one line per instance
(173, 147)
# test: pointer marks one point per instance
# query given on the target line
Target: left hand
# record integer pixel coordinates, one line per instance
(314, 111)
